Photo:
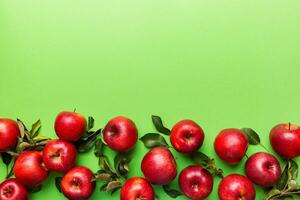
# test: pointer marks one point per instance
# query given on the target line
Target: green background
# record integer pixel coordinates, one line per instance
(222, 63)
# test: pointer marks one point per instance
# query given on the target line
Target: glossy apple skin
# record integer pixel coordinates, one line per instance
(11, 189)
(29, 168)
(285, 140)
(263, 169)
(120, 134)
(195, 182)
(70, 126)
(9, 132)
(159, 166)
(231, 145)
(137, 188)
(77, 183)
(236, 187)
(59, 155)
(187, 136)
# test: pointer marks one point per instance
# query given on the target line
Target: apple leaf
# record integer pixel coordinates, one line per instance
(6, 158)
(121, 162)
(87, 142)
(284, 177)
(293, 170)
(151, 140)
(159, 125)
(98, 147)
(58, 183)
(171, 192)
(36, 127)
(106, 177)
(253, 137)
(35, 188)
(112, 185)
(90, 123)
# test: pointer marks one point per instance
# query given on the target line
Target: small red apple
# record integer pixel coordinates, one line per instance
(29, 168)
(231, 145)
(70, 126)
(285, 140)
(236, 187)
(187, 136)
(159, 166)
(11, 189)
(120, 134)
(137, 188)
(77, 184)
(195, 182)
(263, 169)
(9, 132)
(59, 155)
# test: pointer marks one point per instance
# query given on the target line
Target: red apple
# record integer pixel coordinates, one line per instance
(195, 182)
(9, 132)
(11, 189)
(285, 140)
(231, 145)
(59, 155)
(263, 169)
(29, 168)
(159, 166)
(120, 134)
(236, 187)
(187, 136)
(137, 188)
(70, 126)
(77, 184)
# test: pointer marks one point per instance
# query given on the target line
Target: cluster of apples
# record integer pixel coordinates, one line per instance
(32, 167)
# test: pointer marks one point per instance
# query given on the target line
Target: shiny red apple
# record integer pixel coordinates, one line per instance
(285, 140)
(159, 166)
(231, 145)
(70, 126)
(236, 187)
(120, 134)
(9, 132)
(11, 189)
(59, 155)
(29, 168)
(195, 182)
(77, 184)
(263, 169)
(187, 136)
(137, 188)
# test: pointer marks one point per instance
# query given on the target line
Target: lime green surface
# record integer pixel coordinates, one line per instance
(221, 63)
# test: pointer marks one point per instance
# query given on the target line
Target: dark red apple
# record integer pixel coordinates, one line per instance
(285, 140)
(59, 155)
(231, 145)
(70, 126)
(29, 168)
(77, 184)
(120, 134)
(137, 188)
(187, 136)
(236, 187)
(9, 132)
(159, 166)
(263, 169)
(11, 189)
(195, 182)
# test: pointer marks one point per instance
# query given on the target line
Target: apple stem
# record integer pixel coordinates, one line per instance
(246, 156)
(289, 126)
(264, 147)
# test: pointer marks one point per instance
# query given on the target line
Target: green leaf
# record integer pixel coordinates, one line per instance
(104, 165)
(171, 192)
(253, 137)
(98, 147)
(90, 123)
(113, 185)
(273, 193)
(106, 177)
(6, 158)
(22, 127)
(284, 177)
(35, 129)
(159, 125)
(86, 143)
(58, 183)
(121, 163)
(293, 170)
(151, 140)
